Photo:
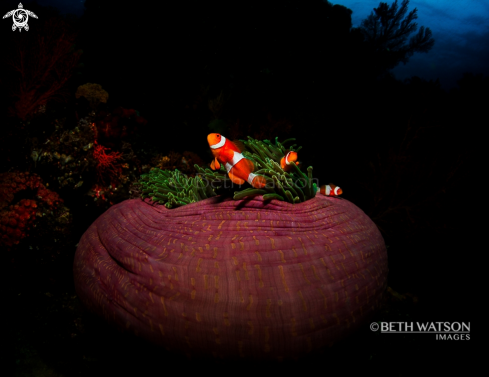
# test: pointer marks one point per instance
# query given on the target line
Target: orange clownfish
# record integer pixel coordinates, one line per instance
(330, 190)
(239, 168)
(289, 159)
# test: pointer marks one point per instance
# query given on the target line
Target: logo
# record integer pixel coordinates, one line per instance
(442, 330)
(20, 17)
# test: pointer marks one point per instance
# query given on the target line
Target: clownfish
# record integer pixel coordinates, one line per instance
(330, 190)
(239, 168)
(289, 159)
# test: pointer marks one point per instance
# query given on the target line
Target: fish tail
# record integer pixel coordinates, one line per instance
(258, 181)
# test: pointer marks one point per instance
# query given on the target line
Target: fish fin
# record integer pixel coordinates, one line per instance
(282, 163)
(239, 145)
(259, 182)
(236, 179)
(215, 164)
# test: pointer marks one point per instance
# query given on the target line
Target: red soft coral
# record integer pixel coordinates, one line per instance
(107, 163)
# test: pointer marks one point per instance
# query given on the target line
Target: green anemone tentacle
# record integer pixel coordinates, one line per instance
(174, 188)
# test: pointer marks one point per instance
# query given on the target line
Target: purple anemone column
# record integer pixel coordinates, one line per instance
(234, 278)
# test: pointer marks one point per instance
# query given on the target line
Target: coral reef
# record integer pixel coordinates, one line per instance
(66, 154)
(24, 198)
(75, 158)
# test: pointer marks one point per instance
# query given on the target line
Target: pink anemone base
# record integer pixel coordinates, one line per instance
(234, 279)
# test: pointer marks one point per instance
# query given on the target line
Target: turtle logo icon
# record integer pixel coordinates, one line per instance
(20, 17)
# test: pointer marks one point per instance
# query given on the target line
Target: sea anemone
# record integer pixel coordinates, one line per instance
(249, 279)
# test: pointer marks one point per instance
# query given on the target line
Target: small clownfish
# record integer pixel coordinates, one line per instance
(289, 159)
(330, 190)
(239, 168)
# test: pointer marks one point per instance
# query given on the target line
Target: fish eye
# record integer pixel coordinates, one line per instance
(218, 135)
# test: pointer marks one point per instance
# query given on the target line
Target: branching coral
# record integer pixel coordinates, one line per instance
(107, 163)
(43, 62)
(174, 189)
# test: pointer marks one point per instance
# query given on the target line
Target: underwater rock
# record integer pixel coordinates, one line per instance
(230, 278)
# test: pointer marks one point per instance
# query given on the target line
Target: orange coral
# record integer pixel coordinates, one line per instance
(17, 218)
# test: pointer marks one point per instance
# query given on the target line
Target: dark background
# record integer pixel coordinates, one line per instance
(405, 152)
